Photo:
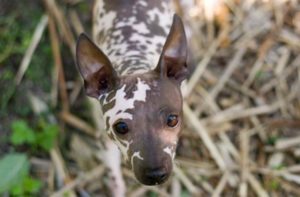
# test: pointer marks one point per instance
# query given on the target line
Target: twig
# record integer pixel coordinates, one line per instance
(140, 191)
(291, 177)
(80, 180)
(55, 11)
(186, 181)
(288, 187)
(58, 71)
(176, 188)
(39, 30)
(282, 144)
(234, 63)
(290, 38)
(75, 21)
(256, 186)
(244, 144)
(199, 128)
(221, 185)
(243, 113)
(78, 123)
(266, 45)
(204, 63)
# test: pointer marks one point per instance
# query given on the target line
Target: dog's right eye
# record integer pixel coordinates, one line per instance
(121, 128)
(172, 120)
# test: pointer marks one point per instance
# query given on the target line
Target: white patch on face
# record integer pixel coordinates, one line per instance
(121, 105)
(169, 151)
(124, 149)
(137, 155)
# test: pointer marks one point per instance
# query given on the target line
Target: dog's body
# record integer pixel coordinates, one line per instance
(136, 76)
(137, 28)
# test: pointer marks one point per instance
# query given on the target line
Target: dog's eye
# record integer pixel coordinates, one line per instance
(172, 120)
(121, 128)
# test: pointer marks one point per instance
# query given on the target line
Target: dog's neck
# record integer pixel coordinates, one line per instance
(132, 40)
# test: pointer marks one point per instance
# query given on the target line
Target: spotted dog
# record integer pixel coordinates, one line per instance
(136, 75)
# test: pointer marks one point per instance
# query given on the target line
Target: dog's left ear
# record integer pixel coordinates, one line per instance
(95, 68)
(172, 62)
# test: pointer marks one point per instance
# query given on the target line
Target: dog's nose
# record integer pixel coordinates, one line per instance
(156, 176)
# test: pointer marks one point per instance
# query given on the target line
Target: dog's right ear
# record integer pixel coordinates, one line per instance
(172, 62)
(95, 68)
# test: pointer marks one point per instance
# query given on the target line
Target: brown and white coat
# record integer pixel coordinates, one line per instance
(136, 76)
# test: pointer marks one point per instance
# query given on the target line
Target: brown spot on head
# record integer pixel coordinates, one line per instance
(130, 88)
(108, 106)
(110, 96)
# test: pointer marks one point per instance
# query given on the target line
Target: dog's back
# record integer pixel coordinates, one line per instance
(132, 32)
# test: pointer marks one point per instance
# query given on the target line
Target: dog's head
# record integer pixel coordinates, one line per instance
(143, 112)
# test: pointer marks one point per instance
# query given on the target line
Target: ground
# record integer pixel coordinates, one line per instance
(241, 135)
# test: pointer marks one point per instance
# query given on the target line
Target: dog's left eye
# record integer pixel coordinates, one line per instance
(121, 128)
(172, 120)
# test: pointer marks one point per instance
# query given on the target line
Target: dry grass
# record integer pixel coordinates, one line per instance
(242, 109)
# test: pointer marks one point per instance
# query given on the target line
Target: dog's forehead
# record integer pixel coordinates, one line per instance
(141, 94)
(161, 91)
(137, 101)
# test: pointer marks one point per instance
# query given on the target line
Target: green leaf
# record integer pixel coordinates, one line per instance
(31, 185)
(17, 190)
(46, 138)
(13, 168)
(22, 133)
(185, 193)
(152, 194)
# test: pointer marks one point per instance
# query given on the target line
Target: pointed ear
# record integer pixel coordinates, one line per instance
(95, 68)
(172, 62)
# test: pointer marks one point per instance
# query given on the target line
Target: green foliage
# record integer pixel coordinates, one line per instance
(16, 31)
(14, 173)
(41, 65)
(272, 139)
(22, 134)
(152, 194)
(185, 193)
(43, 138)
(28, 185)
(14, 39)
(259, 74)
(7, 88)
(278, 167)
(83, 7)
(274, 185)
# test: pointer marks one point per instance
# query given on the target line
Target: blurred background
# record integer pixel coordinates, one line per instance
(242, 110)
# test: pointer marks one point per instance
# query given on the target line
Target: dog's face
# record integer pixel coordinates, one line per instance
(142, 112)
(143, 117)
